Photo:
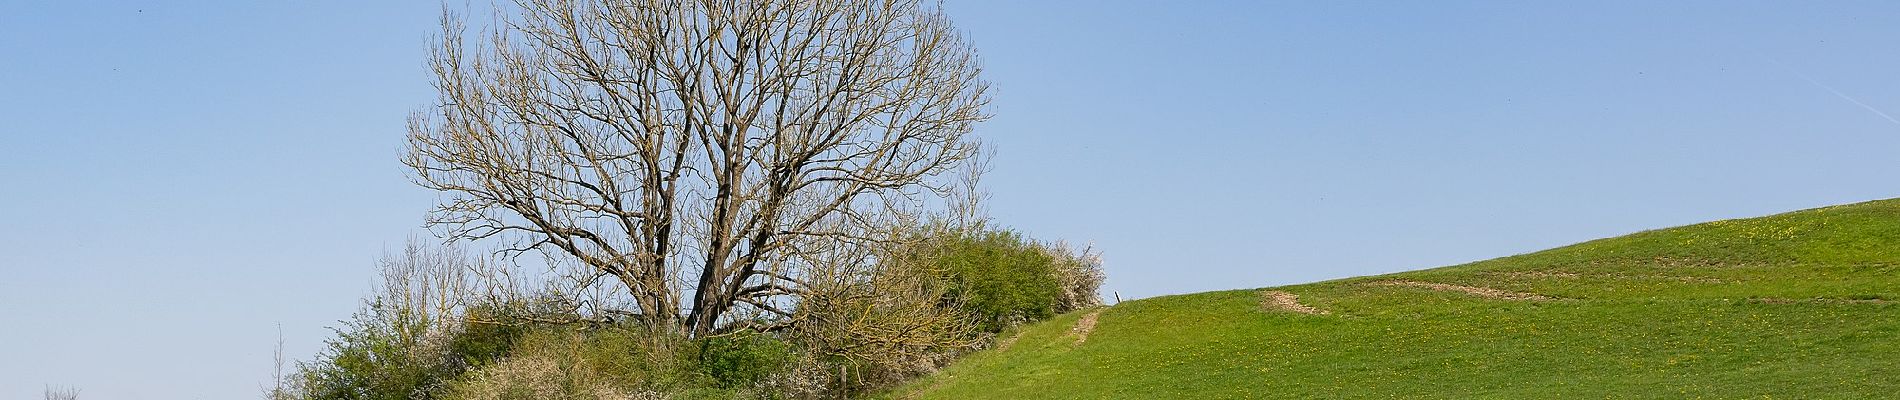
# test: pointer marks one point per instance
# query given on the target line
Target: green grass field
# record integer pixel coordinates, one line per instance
(1796, 305)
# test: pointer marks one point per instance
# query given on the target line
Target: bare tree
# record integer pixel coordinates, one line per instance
(280, 383)
(684, 148)
(60, 393)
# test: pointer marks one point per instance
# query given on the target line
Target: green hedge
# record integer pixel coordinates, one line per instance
(1000, 276)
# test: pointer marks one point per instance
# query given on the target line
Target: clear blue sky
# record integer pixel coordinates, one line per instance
(176, 180)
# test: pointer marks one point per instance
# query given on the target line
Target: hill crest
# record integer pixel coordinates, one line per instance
(1783, 305)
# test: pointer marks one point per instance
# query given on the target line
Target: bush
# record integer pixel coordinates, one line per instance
(631, 361)
(379, 356)
(410, 339)
(1078, 276)
(575, 362)
(479, 343)
(744, 359)
(536, 377)
(874, 323)
(999, 276)
(1004, 278)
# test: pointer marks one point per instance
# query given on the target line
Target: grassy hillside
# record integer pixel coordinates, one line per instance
(1796, 305)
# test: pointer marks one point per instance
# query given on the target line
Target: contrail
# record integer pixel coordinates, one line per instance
(1830, 89)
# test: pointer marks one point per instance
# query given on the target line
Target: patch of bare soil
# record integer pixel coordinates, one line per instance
(1670, 262)
(1677, 278)
(1471, 290)
(1084, 326)
(1690, 279)
(1686, 262)
(1541, 274)
(1283, 301)
(1573, 275)
(1817, 300)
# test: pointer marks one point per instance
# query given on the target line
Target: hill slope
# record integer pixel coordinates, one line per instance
(1796, 305)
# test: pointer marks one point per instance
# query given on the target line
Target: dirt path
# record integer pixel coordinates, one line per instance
(1084, 326)
(1541, 274)
(1471, 290)
(1573, 275)
(1283, 301)
(1689, 279)
(1820, 300)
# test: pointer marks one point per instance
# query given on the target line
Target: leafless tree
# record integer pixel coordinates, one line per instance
(425, 288)
(685, 148)
(280, 383)
(60, 393)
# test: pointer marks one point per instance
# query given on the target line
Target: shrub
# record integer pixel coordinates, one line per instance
(407, 341)
(1000, 277)
(378, 356)
(478, 343)
(635, 356)
(564, 362)
(536, 377)
(806, 377)
(629, 361)
(1078, 276)
(744, 359)
(60, 393)
(877, 322)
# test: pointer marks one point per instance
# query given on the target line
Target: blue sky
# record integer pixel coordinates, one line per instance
(178, 179)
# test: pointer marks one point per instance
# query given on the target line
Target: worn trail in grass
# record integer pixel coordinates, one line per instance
(1797, 305)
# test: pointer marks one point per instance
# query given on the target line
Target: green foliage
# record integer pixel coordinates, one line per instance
(744, 359)
(379, 355)
(480, 343)
(375, 356)
(999, 276)
(1796, 305)
(623, 361)
(384, 352)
